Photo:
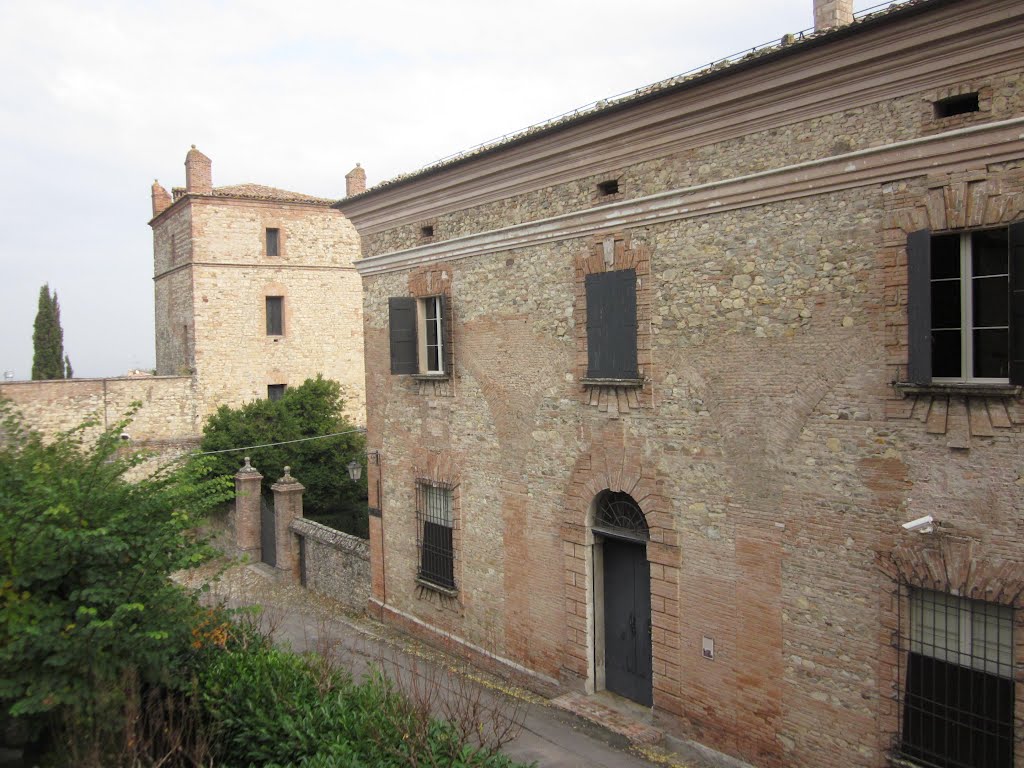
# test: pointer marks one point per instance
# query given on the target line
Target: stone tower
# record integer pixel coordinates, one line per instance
(255, 290)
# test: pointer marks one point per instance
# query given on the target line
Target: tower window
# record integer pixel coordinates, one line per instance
(273, 243)
(275, 315)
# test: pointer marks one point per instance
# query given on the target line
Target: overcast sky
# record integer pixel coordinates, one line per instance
(99, 98)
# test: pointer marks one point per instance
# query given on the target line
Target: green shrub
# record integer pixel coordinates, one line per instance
(268, 707)
(309, 410)
(86, 605)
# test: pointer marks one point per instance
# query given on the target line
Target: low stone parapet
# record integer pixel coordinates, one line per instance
(334, 564)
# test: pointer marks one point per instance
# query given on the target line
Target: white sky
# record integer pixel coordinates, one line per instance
(98, 98)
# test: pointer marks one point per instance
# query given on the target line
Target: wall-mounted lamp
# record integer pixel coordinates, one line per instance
(355, 470)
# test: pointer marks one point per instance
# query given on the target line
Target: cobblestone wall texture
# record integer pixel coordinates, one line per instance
(769, 451)
(898, 119)
(336, 564)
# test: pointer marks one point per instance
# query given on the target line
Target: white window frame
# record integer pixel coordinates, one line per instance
(966, 280)
(424, 306)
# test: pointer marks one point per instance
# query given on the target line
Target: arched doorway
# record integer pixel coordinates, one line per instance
(622, 597)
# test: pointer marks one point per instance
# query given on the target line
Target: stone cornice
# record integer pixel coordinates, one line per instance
(940, 153)
(258, 265)
(901, 57)
(238, 200)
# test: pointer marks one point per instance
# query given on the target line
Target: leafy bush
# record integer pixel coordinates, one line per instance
(272, 708)
(88, 615)
(309, 410)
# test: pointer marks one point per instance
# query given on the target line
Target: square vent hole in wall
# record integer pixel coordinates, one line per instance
(427, 231)
(610, 187)
(961, 104)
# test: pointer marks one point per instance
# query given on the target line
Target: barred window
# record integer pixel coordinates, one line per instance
(434, 526)
(957, 689)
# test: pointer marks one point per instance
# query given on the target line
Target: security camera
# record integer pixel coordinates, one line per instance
(924, 524)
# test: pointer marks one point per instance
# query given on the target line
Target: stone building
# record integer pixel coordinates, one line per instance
(255, 289)
(653, 390)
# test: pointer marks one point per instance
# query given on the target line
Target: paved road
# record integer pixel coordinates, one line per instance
(549, 736)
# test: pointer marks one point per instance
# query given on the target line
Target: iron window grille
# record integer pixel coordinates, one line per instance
(619, 515)
(956, 673)
(435, 523)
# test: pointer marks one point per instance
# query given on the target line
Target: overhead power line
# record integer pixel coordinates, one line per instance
(283, 442)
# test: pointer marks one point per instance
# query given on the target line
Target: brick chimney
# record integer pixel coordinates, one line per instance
(198, 172)
(832, 13)
(355, 181)
(161, 199)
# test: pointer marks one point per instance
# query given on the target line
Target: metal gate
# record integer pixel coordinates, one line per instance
(268, 543)
(627, 620)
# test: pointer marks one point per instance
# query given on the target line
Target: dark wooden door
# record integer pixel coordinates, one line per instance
(268, 544)
(627, 620)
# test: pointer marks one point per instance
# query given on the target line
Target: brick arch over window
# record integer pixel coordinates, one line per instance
(951, 565)
(615, 463)
(974, 199)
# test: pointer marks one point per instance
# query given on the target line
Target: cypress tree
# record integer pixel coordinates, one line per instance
(48, 338)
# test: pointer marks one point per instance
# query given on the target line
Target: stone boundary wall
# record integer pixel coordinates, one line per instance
(337, 564)
(168, 412)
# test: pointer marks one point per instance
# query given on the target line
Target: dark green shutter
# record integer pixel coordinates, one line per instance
(447, 350)
(611, 325)
(919, 306)
(402, 330)
(1017, 303)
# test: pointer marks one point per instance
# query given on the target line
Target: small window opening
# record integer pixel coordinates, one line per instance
(273, 242)
(609, 187)
(275, 391)
(427, 231)
(957, 105)
(275, 315)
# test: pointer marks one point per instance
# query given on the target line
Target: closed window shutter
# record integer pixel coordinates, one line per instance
(919, 307)
(611, 325)
(402, 330)
(1017, 303)
(275, 312)
(447, 349)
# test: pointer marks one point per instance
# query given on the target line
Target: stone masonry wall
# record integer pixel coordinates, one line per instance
(174, 317)
(167, 414)
(772, 474)
(335, 564)
(709, 159)
(770, 451)
(235, 359)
